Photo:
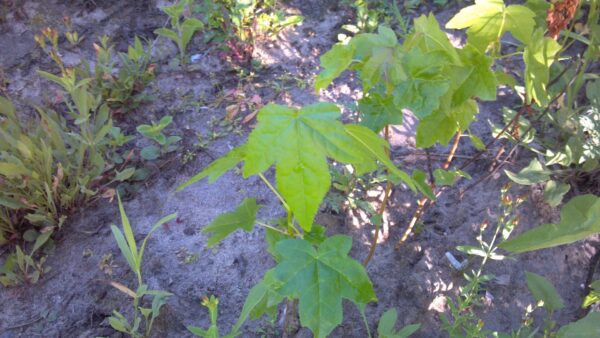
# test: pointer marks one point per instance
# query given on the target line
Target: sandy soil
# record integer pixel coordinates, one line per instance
(75, 299)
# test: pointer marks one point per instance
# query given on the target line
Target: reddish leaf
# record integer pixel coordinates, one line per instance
(560, 15)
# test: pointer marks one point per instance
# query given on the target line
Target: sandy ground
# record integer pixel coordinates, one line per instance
(75, 299)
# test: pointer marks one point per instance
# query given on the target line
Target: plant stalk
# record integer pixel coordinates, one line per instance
(381, 210)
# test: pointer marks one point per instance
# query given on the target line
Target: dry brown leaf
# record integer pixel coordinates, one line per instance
(249, 117)
(123, 289)
(232, 111)
(560, 15)
(109, 194)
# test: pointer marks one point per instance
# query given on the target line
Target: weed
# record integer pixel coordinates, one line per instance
(181, 31)
(462, 321)
(106, 264)
(122, 89)
(212, 304)
(186, 257)
(56, 162)
(71, 34)
(49, 168)
(133, 255)
(20, 268)
(188, 156)
(237, 23)
(154, 132)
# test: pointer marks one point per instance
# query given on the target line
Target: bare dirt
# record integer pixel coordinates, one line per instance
(75, 299)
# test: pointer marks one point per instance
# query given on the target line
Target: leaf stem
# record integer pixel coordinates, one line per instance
(388, 189)
(285, 205)
(265, 225)
(364, 318)
(509, 55)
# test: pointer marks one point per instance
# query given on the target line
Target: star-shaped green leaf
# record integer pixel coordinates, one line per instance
(378, 111)
(298, 142)
(488, 20)
(320, 279)
(425, 85)
(480, 81)
(441, 125)
(428, 37)
(334, 62)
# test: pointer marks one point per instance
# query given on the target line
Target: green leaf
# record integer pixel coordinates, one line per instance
(444, 177)
(540, 8)
(538, 57)
(594, 295)
(125, 174)
(118, 324)
(7, 108)
(302, 176)
(505, 79)
(488, 20)
(128, 231)
(374, 146)
(379, 111)
(167, 33)
(320, 279)
(30, 235)
(143, 246)
(385, 329)
(579, 218)
(448, 177)
(425, 85)
(150, 153)
(471, 250)
(588, 327)
(334, 62)
(189, 28)
(126, 242)
(532, 174)
(40, 241)
(262, 299)
(217, 168)
(384, 63)
(243, 217)
(554, 192)
(420, 179)
(477, 142)
(481, 80)
(429, 37)
(592, 92)
(543, 290)
(298, 142)
(175, 10)
(437, 127)
(11, 170)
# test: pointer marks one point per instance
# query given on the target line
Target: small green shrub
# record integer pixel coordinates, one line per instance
(50, 167)
(123, 90)
(181, 32)
(154, 133)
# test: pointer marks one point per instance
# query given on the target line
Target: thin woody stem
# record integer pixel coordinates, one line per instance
(423, 202)
(381, 210)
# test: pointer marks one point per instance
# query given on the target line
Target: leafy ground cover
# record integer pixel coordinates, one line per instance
(204, 101)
